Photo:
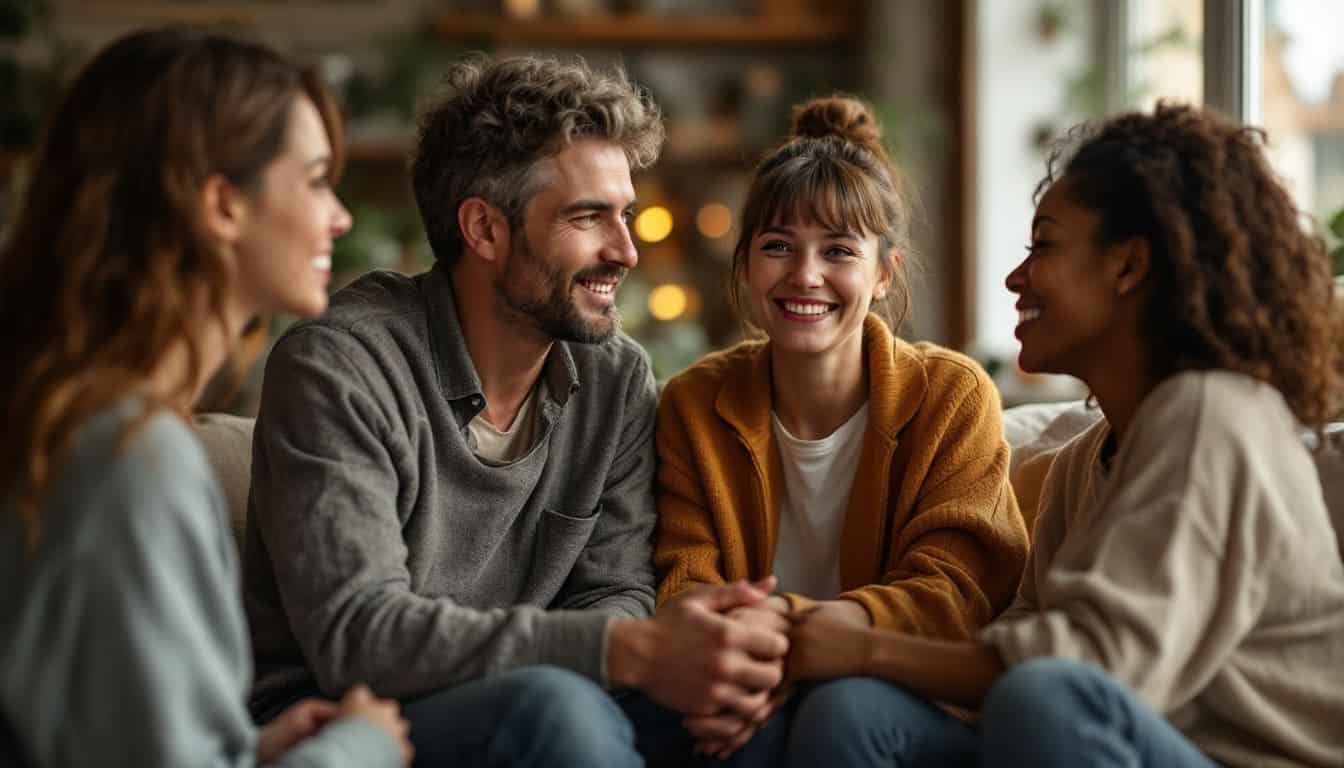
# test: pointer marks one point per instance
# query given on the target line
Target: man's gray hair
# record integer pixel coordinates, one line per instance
(500, 118)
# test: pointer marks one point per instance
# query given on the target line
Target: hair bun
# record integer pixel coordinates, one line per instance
(840, 116)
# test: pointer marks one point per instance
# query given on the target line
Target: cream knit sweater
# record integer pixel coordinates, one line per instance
(1200, 569)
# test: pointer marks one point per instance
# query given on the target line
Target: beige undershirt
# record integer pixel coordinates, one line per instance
(499, 448)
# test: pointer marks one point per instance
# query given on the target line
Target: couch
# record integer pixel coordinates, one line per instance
(1034, 432)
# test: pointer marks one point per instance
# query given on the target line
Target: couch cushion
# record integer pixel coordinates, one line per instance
(1035, 433)
(228, 445)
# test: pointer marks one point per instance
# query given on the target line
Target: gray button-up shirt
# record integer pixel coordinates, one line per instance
(381, 549)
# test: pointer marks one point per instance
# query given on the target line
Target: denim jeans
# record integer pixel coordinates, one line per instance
(855, 721)
(1053, 712)
(531, 716)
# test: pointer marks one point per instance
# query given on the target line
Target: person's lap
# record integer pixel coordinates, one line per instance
(1050, 711)
(538, 715)
(851, 721)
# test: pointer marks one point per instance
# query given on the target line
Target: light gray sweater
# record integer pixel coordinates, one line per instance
(121, 637)
(380, 548)
(1201, 571)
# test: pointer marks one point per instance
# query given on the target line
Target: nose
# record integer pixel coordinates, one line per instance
(806, 272)
(620, 246)
(341, 221)
(1017, 279)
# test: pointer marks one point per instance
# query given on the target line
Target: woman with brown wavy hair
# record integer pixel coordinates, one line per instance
(870, 475)
(184, 185)
(1184, 604)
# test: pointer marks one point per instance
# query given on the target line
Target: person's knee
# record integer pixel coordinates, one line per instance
(849, 719)
(1039, 688)
(843, 704)
(568, 703)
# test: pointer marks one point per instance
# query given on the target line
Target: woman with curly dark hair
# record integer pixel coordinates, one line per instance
(185, 185)
(1184, 603)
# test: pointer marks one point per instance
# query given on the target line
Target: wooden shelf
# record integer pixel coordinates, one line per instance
(383, 150)
(397, 152)
(647, 30)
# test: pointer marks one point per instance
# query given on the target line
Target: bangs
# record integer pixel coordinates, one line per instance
(833, 195)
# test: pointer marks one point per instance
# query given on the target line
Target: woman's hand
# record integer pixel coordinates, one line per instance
(298, 722)
(385, 714)
(828, 641)
(302, 721)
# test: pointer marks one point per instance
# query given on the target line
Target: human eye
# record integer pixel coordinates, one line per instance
(774, 246)
(839, 252)
(585, 219)
(628, 216)
(320, 182)
(1037, 245)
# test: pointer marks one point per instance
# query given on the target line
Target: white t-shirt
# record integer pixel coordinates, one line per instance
(818, 475)
(499, 448)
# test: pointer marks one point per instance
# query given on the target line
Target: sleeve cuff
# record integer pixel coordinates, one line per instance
(575, 640)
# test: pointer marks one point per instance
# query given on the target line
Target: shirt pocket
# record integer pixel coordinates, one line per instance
(561, 538)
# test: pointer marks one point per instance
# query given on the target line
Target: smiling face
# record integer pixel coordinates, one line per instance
(574, 248)
(283, 249)
(1069, 309)
(810, 287)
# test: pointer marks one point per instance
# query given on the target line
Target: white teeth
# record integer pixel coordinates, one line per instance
(322, 262)
(602, 288)
(1026, 315)
(799, 308)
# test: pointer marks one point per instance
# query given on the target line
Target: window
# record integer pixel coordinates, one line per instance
(1302, 73)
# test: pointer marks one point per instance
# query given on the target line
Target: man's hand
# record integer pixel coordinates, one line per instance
(693, 658)
(723, 734)
(824, 645)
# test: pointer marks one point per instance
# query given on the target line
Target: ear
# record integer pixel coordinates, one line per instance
(886, 272)
(1133, 259)
(224, 209)
(484, 228)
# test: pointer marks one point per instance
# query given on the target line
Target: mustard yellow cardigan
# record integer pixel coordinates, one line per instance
(933, 541)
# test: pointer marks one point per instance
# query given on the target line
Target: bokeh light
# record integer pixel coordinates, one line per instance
(653, 224)
(668, 301)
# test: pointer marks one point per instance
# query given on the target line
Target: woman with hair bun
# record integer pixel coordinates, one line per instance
(868, 474)
(1184, 604)
(184, 185)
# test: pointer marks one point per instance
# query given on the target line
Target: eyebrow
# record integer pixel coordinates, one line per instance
(593, 205)
(835, 235)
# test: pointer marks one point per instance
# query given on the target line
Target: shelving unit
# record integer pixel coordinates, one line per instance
(644, 30)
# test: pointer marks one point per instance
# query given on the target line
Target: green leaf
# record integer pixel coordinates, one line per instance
(1337, 224)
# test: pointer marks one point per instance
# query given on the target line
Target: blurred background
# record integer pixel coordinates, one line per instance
(971, 93)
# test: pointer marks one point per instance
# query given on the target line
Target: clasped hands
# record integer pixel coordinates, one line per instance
(761, 647)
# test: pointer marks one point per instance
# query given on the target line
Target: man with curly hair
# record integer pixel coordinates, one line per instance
(452, 472)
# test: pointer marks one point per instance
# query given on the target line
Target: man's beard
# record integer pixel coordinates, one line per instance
(555, 313)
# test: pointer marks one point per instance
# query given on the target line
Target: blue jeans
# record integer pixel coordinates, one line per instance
(855, 721)
(531, 716)
(1053, 712)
